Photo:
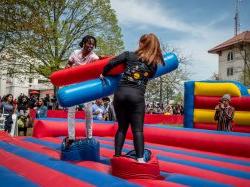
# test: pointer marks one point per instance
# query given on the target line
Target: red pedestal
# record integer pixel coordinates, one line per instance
(128, 168)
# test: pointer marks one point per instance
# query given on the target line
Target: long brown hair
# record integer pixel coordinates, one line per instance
(150, 49)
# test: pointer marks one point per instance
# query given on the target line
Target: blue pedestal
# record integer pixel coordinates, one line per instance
(82, 149)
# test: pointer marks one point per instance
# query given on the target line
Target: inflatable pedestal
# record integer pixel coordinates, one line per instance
(81, 149)
(127, 167)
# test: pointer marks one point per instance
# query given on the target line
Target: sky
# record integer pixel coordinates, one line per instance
(192, 26)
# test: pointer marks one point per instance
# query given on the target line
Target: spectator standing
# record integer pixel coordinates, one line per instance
(23, 115)
(224, 114)
(41, 109)
(98, 110)
(7, 108)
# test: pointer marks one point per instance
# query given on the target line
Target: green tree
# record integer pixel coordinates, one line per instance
(46, 32)
(178, 98)
(13, 20)
(245, 54)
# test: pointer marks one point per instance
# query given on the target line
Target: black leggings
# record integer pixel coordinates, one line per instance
(8, 123)
(129, 107)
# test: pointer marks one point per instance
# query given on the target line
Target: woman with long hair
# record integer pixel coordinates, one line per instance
(129, 101)
(7, 107)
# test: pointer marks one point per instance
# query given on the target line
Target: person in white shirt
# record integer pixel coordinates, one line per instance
(98, 110)
(81, 57)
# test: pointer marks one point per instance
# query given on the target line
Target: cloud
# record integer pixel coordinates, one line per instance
(144, 12)
(203, 65)
(198, 37)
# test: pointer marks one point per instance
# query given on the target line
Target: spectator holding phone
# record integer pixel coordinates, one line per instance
(224, 114)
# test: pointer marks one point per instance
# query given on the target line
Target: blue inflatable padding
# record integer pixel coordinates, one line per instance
(171, 63)
(189, 104)
(83, 92)
(87, 91)
(11, 178)
(82, 149)
(193, 181)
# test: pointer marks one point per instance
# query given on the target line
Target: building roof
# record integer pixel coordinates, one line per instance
(243, 37)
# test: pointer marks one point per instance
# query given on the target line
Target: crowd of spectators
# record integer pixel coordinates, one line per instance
(102, 109)
(170, 109)
(21, 107)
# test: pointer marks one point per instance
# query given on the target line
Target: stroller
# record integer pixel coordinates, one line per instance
(2, 119)
(8, 118)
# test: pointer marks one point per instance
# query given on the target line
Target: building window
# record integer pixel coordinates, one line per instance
(230, 71)
(40, 81)
(230, 56)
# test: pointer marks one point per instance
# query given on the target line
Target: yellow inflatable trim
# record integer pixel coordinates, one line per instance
(216, 89)
(207, 116)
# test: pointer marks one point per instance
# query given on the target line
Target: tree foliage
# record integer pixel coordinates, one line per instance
(166, 87)
(44, 33)
(245, 54)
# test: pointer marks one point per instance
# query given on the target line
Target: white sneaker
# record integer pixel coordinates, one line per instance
(141, 160)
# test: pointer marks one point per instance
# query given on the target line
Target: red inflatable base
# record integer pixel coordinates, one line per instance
(213, 126)
(128, 168)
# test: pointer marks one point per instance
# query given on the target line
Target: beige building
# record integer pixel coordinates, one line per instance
(233, 57)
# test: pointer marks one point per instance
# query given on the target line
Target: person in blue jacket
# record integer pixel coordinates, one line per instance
(41, 109)
(7, 108)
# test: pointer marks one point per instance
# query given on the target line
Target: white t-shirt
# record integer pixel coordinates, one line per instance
(77, 59)
(100, 109)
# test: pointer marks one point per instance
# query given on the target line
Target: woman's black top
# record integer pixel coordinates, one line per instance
(136, 73)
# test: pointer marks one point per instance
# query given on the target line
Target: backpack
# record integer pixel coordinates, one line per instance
(21, 122)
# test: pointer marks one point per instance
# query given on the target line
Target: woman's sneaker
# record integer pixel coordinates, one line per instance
(141, 160)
